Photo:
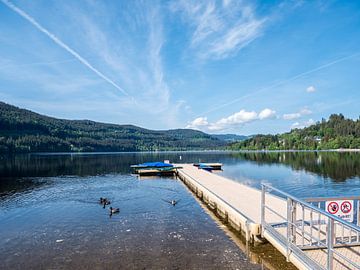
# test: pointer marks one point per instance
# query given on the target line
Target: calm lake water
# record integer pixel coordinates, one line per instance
(50, 218)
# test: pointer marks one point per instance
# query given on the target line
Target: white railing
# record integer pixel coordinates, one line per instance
(307, 227)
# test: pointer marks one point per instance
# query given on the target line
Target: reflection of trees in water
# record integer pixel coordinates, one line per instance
(11, 185)
(32, 165)
(19, 173)
(22, 172)
(334, 165)
(28, 165)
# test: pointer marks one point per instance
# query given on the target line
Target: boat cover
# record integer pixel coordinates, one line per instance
(155, 164)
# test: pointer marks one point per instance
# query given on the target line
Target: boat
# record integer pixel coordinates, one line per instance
(208, 166)
(154, 168)
(205, 167)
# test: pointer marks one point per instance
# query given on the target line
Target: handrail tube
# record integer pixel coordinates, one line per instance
(315, 238)
(346, 259)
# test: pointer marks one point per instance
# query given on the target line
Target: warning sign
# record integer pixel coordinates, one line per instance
(341, 208)
(333, 208)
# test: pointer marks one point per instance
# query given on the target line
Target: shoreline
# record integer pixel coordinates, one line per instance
(339, 150)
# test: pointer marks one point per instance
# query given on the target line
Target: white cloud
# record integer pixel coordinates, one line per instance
(310, 89)
(292, 116)
(237, 119)
(267, 113)
(305, 111)
(198, 123)
(303, 124)
(220, 29)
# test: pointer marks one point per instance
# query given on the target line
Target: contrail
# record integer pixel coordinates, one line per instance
(281, 82)
(61, 44)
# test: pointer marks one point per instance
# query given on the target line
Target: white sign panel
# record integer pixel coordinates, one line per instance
(342, 208)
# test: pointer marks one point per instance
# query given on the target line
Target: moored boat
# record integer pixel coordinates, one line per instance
(208, 166)
(154, 168)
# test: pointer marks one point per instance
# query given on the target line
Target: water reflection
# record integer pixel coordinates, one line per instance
(339, 166)
(20, 173)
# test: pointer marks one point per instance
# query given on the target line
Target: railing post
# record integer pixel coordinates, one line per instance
(330, 243)
(293, 221)
(263, 189)
(288, 232)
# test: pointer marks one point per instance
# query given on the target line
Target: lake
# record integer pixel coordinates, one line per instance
(50, 217)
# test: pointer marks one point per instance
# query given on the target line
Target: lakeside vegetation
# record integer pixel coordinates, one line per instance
(334, 133)
(25, 131)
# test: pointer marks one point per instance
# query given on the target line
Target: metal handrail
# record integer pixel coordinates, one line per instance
(308, 205)
(293, 227)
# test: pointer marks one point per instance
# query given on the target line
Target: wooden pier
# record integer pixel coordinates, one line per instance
(244, 209)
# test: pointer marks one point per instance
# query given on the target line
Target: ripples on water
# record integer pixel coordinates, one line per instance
(60, 225)
(50, 218)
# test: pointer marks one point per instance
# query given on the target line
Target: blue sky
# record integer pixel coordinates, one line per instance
(240, 67)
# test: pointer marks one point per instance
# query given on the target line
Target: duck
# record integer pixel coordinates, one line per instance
(173, 202)
(114, 210)
(104, 201)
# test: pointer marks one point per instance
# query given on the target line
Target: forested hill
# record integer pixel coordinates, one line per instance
(334, 133)
(25, 131)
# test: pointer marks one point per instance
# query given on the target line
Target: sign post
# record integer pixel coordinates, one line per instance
(344, 209)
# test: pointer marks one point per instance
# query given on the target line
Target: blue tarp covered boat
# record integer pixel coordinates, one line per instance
(152, 165)
(154, 168)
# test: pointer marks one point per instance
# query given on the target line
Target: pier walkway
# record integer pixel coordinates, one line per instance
(309, 237)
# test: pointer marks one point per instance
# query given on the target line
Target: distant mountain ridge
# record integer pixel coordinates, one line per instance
(22, 130)
(230, 137)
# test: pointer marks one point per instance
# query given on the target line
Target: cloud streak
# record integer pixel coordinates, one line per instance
(299, 114)
(220, 29)
(59, 42)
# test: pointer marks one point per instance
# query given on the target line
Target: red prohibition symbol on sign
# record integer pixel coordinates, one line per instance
(333, 207)
(346, 207)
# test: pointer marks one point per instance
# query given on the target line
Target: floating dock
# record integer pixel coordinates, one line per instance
(309, 237)
(154, 168)
(159, 172)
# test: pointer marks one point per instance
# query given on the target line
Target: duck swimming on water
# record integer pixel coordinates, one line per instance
(104, 201)
(173, 202)
(114, 210)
